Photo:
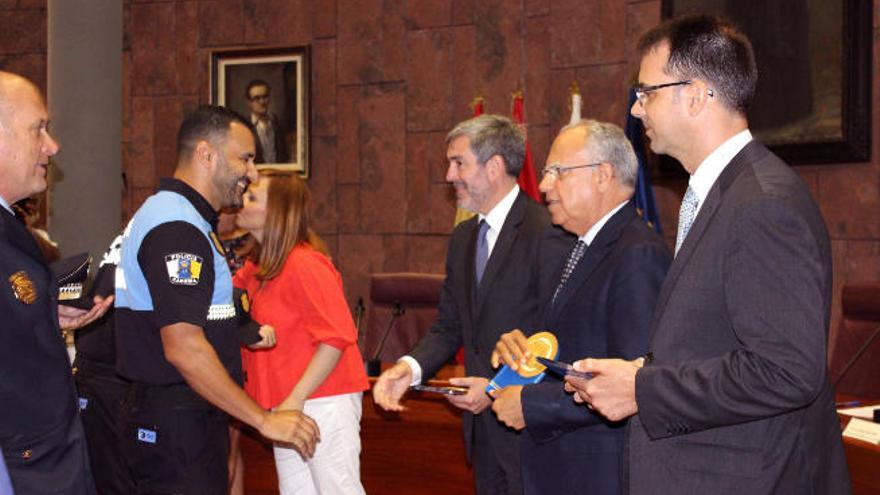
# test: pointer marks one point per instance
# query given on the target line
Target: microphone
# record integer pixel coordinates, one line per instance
(374, 365)
(856, 356)
(358, 316)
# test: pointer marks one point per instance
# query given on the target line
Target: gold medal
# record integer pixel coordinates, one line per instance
(543, 344)
(23, 287)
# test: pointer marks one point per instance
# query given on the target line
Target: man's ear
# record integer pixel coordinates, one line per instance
(697, 95)
(604, 175)
(204, 153)
(495, 167)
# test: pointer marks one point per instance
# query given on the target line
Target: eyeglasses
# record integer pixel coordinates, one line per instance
(642, 91)
(259, 97)
(556, 171)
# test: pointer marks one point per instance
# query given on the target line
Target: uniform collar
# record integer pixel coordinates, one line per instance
(198, 201)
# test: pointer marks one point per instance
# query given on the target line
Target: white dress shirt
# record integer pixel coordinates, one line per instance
(711, 167)
(495, 218)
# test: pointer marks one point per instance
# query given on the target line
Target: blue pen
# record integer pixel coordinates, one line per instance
(852, 403)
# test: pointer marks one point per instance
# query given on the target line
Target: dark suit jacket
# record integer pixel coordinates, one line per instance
(40, 434)
(475, 317)
(604, 310)
(737, 399)
(282, 154)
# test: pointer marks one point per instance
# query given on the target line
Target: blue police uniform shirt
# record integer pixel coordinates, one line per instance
(172, 269)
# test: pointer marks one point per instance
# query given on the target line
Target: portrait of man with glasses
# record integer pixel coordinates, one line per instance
(271, 136)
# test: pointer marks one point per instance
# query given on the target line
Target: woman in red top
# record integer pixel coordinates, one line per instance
(315, 366)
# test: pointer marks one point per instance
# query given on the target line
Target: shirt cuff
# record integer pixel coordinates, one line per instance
(415, 367)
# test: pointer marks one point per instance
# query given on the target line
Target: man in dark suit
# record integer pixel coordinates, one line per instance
(490, 287)
(271, 135)
(734, 396)
(598, 302)
(41, 436)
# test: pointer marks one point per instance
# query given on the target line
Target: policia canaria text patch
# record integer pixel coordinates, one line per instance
(183, 268)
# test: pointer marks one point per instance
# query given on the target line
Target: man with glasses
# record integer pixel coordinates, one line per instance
(271, 135)
(491, 287)
(598, 302)
(733, 396)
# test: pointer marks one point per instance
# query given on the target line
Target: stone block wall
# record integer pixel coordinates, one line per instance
(389, 78)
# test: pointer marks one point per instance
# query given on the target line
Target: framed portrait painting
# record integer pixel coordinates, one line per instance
(813, 100)
(269, 87)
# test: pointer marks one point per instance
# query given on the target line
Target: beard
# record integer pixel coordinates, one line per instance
(231, 186)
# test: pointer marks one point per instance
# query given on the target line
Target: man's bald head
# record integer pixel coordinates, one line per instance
(12, 85)
(25, 142)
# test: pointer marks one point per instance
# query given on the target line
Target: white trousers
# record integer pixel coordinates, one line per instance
(335, 467)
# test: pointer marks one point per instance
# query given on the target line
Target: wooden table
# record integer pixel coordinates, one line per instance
(863, 459)
(420, 450)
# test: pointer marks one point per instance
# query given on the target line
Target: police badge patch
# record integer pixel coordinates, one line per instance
(183, 268)
(23, 287)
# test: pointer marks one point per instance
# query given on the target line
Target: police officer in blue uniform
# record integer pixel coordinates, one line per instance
(176, 328)
(41, 435)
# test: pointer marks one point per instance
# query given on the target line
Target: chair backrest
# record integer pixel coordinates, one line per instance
(860, 319)
(417, 294)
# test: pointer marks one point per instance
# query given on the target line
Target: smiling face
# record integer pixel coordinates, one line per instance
(662, 110)
(252, 216)
(25, 142)
(470, 179)
(574, 197)
(235, 168)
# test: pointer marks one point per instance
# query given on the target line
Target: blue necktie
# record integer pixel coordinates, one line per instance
(686, 215)
(577, 252)
(482, 255)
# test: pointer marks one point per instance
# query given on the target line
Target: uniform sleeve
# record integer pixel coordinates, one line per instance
(178, 263)
(316, 287)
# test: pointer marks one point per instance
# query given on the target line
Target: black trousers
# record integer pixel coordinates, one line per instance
(495, 457)
(174, 441)
(101, 395)
(53, 461)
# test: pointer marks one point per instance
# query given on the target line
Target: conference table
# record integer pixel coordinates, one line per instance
(862, 457)
(421, 450)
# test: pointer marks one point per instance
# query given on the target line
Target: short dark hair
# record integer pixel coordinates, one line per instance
(253, 84)
(492, 135)
(710, 48)
(210, 123)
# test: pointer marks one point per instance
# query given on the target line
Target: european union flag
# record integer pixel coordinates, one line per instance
(644, 192)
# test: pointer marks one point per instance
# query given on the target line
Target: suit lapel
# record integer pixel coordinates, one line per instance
(596, 252)
(704, 218)
(503, 244)
(470, 269)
